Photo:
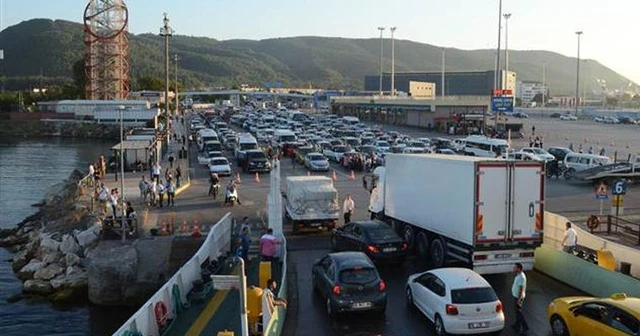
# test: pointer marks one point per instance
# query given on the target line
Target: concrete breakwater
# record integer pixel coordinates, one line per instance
(51, 247)
(59, 128)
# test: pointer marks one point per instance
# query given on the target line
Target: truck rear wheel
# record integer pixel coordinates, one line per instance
(438, 252)
(408, 235)
(422, 246)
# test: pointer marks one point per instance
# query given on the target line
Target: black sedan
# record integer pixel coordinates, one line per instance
(349, 282)
(375, 238)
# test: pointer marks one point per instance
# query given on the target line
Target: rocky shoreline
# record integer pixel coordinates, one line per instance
(51, 248)
(59, 128)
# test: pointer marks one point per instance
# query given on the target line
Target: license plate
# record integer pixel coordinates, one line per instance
(389, 249)
(478, 325)
(360, 305)
(503, 255)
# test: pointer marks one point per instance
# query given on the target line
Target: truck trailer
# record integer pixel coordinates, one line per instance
(485, 213)
(310, 202)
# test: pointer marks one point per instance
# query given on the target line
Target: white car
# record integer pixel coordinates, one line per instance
(523, 156)
(220, 166)
(382, 146)
(568, 117)
(203, 159)
(539, 152)
(457, 300)
(335, 153)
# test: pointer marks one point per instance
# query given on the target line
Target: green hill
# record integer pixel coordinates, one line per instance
(43, 50)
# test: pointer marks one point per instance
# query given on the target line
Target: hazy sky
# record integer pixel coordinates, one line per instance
(610, 27)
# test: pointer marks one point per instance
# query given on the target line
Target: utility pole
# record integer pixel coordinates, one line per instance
(175, 58)
(544, 82)
(443, 68)
(496, 79)
(578, 33)
(381, 29)
(393, 63)
(122, 214)
(165, 32)
(506, 50)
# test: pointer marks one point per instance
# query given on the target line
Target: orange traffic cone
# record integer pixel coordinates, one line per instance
(353, 175)
(257, 179)
(196, 231)
(335, 176)
(238, 178)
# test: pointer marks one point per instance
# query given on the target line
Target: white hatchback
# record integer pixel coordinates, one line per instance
(457, 300)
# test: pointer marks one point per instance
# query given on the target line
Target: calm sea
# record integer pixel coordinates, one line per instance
(27, 169)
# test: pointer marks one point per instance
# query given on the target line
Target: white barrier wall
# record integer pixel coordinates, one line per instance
(217, 243)
(554, 227)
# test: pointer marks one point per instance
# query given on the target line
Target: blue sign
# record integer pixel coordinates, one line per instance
(619, 187)
(502, 104)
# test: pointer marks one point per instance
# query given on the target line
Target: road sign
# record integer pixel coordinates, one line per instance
(619, 187)
(600, 192)
(225, 282)
(502, 104)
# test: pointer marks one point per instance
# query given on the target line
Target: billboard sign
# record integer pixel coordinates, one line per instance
(502, 104)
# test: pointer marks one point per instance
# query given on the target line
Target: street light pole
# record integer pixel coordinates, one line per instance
(506, 50)
(544, 82)
(381, 29)
(496, 79)
(122, 214)
(175, 58)
(578, 33)
(442, 79)
(393, 63)
(166, 31)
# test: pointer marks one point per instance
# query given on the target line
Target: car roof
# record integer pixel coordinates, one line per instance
(351, 260)
(315, 153)
(630, 304)
(457, 277)
(371, 224)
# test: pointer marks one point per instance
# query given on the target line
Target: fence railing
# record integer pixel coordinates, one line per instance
(623, 226)
(216, 244)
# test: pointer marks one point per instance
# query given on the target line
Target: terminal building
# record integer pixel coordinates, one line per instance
(456, 83)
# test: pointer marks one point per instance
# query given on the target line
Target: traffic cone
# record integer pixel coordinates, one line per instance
(183, 227)
(257, 179)
(353, 175)
(196, 230)
(335, 176)
(238, 178)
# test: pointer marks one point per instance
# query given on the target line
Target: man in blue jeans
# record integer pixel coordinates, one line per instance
(518, 291)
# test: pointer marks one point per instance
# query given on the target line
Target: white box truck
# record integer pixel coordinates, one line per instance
(310, 202)
(486, 213)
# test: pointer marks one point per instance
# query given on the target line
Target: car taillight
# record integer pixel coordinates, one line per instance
(372, 249)
(404, 246)
(382, 286)
(336, 290)
(480, 257)
(499, 307)
(451, 309)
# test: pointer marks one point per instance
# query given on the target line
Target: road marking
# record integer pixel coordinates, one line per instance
(207, 313)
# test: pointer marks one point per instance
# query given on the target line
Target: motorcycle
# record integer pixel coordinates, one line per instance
(231, 196)
(214, 189)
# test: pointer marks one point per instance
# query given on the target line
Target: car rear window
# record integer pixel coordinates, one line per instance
(358, 275)
(218, 162)
(473, 295)
(381, 233)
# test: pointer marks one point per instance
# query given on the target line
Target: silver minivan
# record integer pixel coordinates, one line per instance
(575, 162)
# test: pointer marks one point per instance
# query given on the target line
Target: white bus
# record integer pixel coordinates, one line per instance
(484, 147)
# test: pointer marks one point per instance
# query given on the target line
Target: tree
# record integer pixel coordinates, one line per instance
(612, 101)
(149, 83)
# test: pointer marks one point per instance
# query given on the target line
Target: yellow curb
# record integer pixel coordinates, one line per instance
(183, 188)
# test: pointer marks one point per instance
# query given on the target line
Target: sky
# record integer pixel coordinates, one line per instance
(609, 28)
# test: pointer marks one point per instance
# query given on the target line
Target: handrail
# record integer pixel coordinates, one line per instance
(217, 243)
(611, 223)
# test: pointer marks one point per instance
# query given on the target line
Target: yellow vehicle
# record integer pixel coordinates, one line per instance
(587, 316)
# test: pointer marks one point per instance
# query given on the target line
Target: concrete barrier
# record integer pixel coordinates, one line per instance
(583, 275)
(554, 227)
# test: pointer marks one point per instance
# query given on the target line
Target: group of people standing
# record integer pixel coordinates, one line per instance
(153, 191)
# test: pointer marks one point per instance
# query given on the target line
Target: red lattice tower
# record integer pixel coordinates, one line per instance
(106, 61)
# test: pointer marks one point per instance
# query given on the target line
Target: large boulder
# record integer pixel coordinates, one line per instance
(71, 259)
(74, 278)
(27, 272)
(22, 257)
(53, 257)
(49, 272)
(89, 236)
(48, 244)
(11, 241)
(69, 245)
(112, 269)
(38, 287)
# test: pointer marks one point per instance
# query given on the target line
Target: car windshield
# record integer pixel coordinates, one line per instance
(358, 275)
(287, 138)
(219, 162)
(383, 144)
(257, 155)
(539, 151)
(381, 233)
(339, 149)
(317, 158)
(417, 144)
(214, 154)
(248, 146)
(473, 295)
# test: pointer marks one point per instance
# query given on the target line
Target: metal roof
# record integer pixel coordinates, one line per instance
(132, 144)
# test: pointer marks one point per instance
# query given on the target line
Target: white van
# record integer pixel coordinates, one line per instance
(576, 162)
(350, 121)
(283, 136)
(205, 135)
(482, 146)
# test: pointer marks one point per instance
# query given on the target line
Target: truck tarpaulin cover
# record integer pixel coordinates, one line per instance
(312, 197)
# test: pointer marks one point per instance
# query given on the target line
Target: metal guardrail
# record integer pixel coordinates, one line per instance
(85, 187)
(626, 227)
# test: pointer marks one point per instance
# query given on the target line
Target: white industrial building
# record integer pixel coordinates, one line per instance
(527, 90)
(136, 112)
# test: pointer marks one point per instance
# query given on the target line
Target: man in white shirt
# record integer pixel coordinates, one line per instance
(269, 302)
(570, 239)
(518, 291)
(347, 208)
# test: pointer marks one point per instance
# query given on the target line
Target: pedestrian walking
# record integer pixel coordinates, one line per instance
(347, 208)
(245, 225)
(531, 141)
(533, 130)
(144, 189)
(590, 151)
(570, 239)
(580, 149)
(153, 192)
(178, 176)
(114, 202)
(518, 291)
(155, 171)
(171, 192)
(92, 172)
(161, 192)
(245, 242)
(270, 301)
(268, 244)
(603, 152)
